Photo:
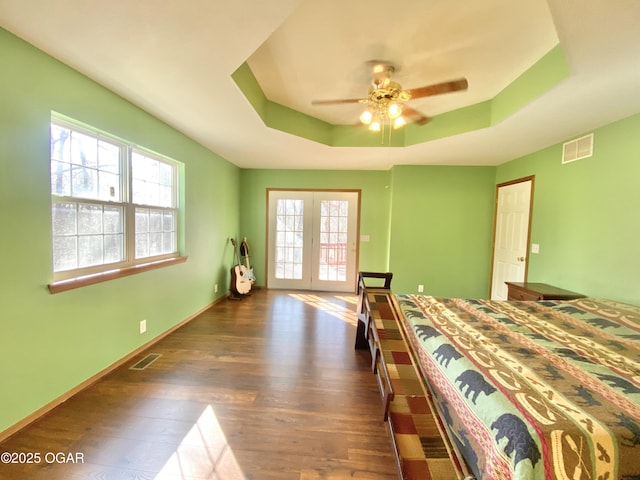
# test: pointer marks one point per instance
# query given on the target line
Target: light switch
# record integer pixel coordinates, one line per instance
(535, 248)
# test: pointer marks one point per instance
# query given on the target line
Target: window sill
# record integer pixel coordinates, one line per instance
(64, 285)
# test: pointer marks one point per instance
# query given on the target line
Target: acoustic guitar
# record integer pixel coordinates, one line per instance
(240, 283)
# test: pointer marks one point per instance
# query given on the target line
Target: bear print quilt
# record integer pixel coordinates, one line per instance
(533, 390)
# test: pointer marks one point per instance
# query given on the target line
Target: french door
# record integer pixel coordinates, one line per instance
(312, 239)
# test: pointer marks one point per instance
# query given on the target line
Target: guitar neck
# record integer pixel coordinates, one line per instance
(235, 249)
(245, 248)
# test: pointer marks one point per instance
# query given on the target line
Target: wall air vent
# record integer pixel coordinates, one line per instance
(577, 149)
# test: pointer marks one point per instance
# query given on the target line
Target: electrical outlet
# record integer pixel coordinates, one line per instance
(215, 288)
(420, 288)
(143, 326)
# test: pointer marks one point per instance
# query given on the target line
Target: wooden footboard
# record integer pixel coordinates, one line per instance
(420, 447)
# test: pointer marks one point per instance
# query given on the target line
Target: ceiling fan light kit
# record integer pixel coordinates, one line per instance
(384, 103)
(380, 112)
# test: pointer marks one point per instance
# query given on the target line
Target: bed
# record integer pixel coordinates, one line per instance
(532, 390)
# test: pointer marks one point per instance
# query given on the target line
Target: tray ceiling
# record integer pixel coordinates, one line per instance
(175, 60)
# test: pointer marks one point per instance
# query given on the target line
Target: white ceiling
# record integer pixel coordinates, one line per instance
(174, 59)
(318, 54)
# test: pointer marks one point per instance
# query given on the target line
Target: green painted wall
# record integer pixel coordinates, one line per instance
(441, 228)
(429, 225)
(51, 343)
(585, 214)
(550, 70)
(374, 208)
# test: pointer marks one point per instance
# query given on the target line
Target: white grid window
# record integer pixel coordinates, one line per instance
(112, 205)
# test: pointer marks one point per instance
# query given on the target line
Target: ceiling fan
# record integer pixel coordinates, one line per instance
(386, 99)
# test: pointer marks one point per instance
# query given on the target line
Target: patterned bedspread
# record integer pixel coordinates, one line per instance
(534, 390)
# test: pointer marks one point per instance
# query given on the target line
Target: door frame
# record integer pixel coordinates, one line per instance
(312, 190)
(530, 178)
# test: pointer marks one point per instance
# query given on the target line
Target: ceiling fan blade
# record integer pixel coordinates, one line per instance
(438, 88)
(414, 115)
(338, 102)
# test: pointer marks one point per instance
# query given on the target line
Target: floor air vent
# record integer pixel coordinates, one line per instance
(577, 149)
(146, 361)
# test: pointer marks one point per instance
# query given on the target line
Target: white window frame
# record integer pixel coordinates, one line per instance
(125, 202)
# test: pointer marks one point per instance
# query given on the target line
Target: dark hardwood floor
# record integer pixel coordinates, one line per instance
(269, 387)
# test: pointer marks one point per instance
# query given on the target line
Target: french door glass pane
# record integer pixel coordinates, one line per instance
(289, 240)
(333, 240)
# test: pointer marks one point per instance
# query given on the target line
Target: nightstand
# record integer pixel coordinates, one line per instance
(538, 291)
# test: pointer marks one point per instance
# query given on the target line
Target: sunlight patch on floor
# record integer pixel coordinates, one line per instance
(349, 299)
(204, 453)
(348, 314)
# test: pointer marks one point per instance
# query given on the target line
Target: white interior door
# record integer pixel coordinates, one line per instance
(511, 236)
(312, 240)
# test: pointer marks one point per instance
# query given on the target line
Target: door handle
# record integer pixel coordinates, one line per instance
(521, 259)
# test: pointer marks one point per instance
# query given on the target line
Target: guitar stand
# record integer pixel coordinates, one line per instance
(237, 296)
(238, 276)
